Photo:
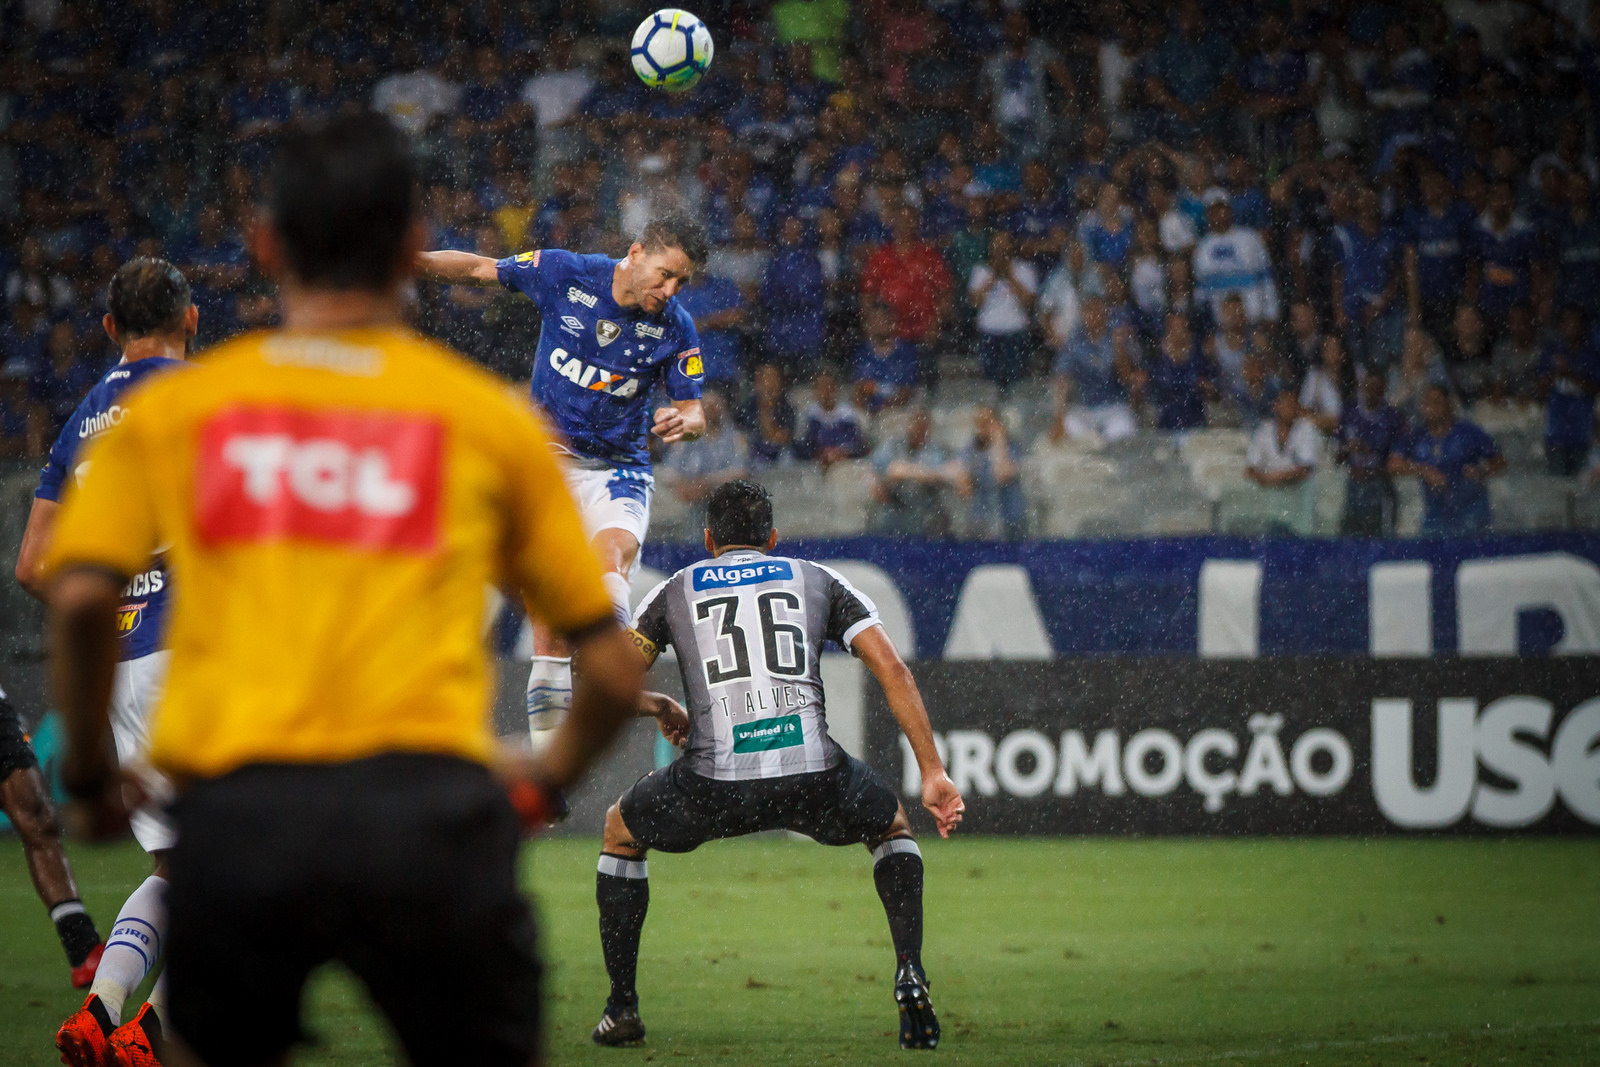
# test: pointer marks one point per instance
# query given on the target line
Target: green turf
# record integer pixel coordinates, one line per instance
(1041, 952)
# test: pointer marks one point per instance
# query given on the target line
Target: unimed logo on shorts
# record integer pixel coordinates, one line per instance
(357, 478)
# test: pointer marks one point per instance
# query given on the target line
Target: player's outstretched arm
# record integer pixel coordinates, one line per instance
(939, 794)
(457, 268)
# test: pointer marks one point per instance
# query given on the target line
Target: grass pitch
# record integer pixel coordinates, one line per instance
(1040, 952)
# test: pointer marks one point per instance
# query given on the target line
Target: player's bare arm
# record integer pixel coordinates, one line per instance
(83, 658)
(35, 538)
(684, 420)
(939, 795)
(457, 268)
(671, 717)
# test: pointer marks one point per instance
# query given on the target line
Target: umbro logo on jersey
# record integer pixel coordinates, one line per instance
(587, 376)
(644, 329)
(578, 296)
(572, 325)
(606, 331)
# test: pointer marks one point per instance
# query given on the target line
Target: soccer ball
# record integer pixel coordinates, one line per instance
(671, 50)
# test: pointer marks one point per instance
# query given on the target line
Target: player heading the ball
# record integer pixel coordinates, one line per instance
(611, 330)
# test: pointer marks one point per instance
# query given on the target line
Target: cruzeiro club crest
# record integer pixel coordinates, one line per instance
(606, 331)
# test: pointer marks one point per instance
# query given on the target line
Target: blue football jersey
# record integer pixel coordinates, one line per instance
(598, 362)
(144, 601)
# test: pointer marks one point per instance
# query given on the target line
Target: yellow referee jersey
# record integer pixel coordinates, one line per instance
(335, 505)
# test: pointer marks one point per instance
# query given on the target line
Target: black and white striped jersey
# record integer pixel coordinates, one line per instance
(749, 629)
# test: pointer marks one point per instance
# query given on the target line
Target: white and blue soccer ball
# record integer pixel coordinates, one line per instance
(671, 50)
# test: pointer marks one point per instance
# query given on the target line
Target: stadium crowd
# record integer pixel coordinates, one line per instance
(1337, 226)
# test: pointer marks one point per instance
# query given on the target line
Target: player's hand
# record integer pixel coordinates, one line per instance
(672, 719)
(101, 814)
(669, 425)
(536, 804)
(943, 801)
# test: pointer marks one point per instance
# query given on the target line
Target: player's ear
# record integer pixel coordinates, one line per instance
(109, 324)
(711, 546)
(772, 539)
(191, 321)
(635, 250)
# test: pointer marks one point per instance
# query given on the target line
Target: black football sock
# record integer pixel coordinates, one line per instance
(75, 929)
(897, 872)
(622, 889)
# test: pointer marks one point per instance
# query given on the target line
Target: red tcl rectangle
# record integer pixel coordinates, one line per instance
(364, 479)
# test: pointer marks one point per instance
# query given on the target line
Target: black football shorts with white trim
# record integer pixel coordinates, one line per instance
(402, 867)
(673, 809)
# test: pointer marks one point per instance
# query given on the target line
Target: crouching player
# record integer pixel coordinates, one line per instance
(749, 629)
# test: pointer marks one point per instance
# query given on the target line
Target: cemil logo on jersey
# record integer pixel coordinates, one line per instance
(361, 479)
(578, 296)
(606, 331)
(644, 329)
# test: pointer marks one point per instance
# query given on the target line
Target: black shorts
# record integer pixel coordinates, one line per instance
(402, 867)
(674, 809)
(15, 752)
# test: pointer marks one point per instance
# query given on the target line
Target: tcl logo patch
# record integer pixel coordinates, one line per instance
(363, 479)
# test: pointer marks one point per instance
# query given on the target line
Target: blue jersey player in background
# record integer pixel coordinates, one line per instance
(152, 319)
(611, 331)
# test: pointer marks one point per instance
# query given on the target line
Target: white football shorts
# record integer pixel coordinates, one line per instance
(135, 690)
(611, 498)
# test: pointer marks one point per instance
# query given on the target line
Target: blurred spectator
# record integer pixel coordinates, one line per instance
(1326, 386)
(1366, 284)
(21, 427)
(23, 337)
(768, 417)
(34, 281)
(1514, 360)
(1190, 79)
(831, 430)
(718, 308)
(1454, 458)
(821, 24)
(1232, 259)
(1107, 231)
(1502, 258)
(556, 95)
(993, 465)
(1305, 338)
(1569, 379)
(1058, 306)
(216, 264)
(1420, 366)
(1369, 431)
(1577, 251)
(1283, 450)
(885, 367)
(1230, 343)
(1090, 382)
(1439, 241)
(792, 300)
(415, 96)
(1277, 86)
(1252, 398)
(1180, 380)
(694, 468)
(1017, 82)
(1466, 353)
(914, 476)
(64, 377)
(1003, 290)
(743, 260)
(910, 276)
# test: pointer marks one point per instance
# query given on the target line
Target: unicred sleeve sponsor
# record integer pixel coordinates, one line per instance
(850, 611)
(688, 369)
(109, 519)
(549, 556)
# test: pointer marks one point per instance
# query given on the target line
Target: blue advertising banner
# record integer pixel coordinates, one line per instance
(1219, 597)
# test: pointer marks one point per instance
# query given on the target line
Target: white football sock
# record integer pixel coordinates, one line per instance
(158, 999)
(617, 586)
(134, 945)
(549, 692)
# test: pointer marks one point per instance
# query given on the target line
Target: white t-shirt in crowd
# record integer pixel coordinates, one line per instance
(1001, 312)
(1318, 393)
(1300, 450)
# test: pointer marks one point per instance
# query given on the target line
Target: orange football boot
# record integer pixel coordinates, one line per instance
(85, 1037)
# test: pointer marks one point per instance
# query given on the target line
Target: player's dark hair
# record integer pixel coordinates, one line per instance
(739, 513)
(675, 229)
(147, 296)
(342, 196)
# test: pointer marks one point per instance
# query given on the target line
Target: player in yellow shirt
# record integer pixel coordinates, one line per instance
(335, 495)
